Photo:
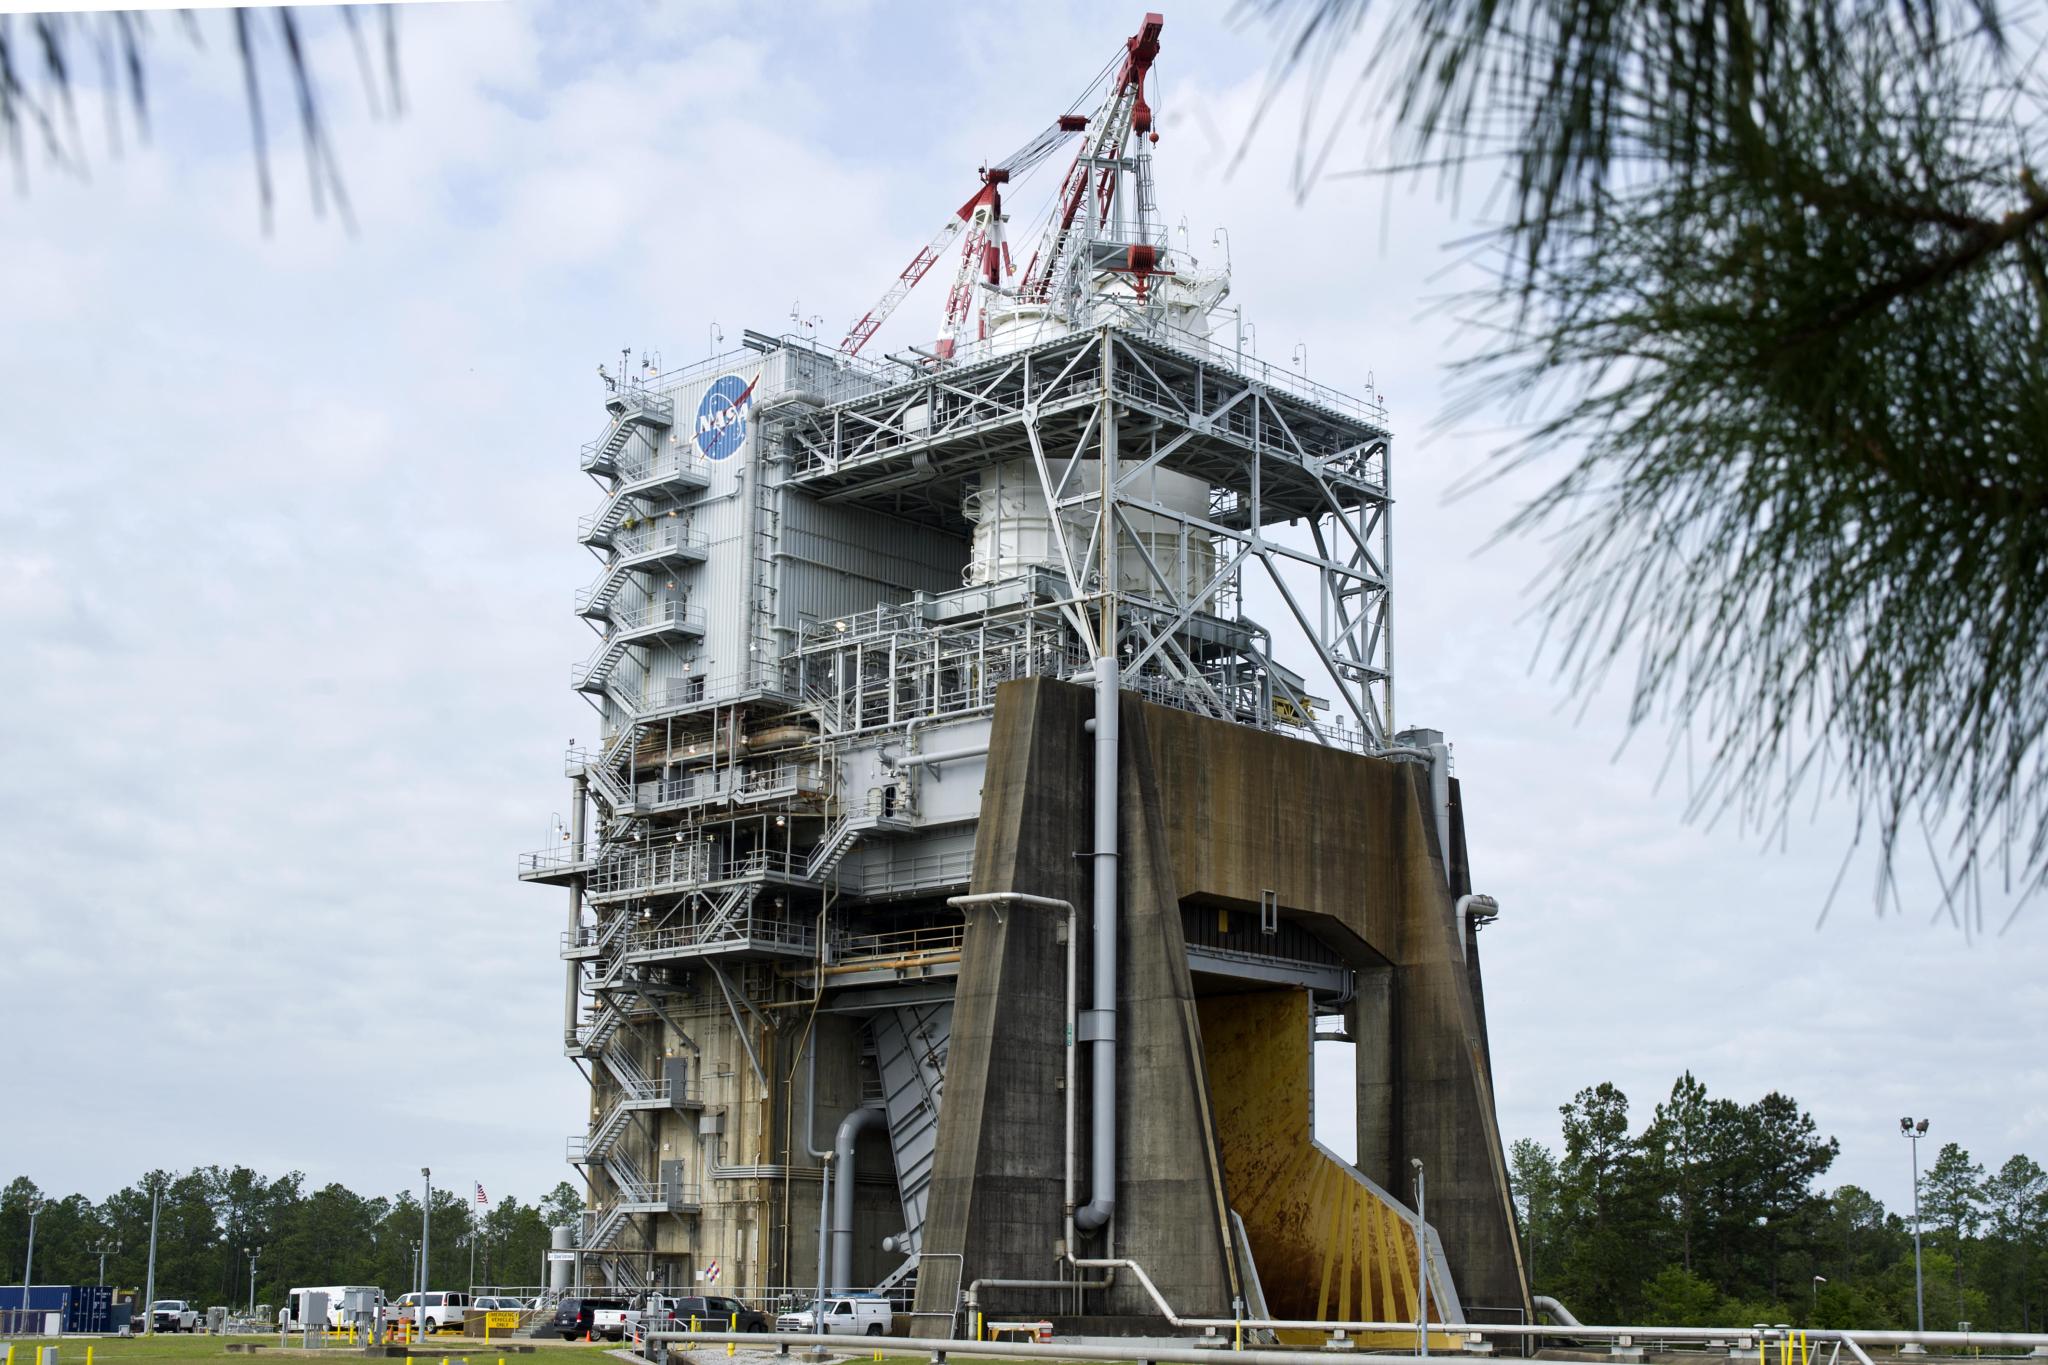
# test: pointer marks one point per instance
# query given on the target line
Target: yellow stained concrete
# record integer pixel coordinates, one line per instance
(1327, 1245)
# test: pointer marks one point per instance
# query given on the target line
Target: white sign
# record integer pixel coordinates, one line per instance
(561, 1255)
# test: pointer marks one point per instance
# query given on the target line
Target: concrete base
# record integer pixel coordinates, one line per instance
(1220, 819)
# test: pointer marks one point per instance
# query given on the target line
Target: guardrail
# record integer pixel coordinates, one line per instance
(666, 612)
(898, 943)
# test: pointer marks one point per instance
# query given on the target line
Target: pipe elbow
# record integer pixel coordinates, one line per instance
(1095, 1214)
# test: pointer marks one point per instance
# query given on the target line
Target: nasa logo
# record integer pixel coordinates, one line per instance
(722, 416)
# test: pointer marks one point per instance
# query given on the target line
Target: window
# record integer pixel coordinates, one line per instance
(842, 1309)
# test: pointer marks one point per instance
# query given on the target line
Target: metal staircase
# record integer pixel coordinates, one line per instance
(730, 908)
(601, 1027)
(910, 1045)
(670, 468)
(597, 669)
(840, 837)
(631, 408)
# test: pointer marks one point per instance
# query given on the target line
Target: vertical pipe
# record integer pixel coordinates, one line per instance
(850, 1129)
(824, 1158)
(578, 802)
(1102, 1151)
(1421, 1265)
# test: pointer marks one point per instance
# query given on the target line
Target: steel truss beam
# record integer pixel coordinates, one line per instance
(1276, 459)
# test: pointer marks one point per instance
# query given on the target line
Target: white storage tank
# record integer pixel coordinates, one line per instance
(1013, 528)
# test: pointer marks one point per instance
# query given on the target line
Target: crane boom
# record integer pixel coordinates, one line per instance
(1123, 113)
(987, 198)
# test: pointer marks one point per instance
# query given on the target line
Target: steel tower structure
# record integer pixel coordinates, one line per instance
(817, 575)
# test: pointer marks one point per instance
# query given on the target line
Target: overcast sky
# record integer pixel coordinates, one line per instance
(287, 554)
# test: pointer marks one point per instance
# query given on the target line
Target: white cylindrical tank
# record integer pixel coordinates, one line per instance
(561, 1268)
(1013, 528)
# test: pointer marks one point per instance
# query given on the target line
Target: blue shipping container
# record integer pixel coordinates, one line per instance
(86, 1307)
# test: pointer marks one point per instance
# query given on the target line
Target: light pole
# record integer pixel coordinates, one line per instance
(426, 1234)
(1913, 1130)
(156, 1195)
(1818, 1281)
(29, 1262)
(102, 1251)
(1421, 1265)
(253, 1253)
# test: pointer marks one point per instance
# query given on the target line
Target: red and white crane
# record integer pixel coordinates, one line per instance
(985, 257)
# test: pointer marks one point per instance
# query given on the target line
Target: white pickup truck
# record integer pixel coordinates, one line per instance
(615, 1324)
(847, 1315)
(173, 1315)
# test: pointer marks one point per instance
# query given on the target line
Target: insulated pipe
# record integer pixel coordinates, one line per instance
(850, 1129)
(578, 801)
(1102, 1017)
(1555, 1309)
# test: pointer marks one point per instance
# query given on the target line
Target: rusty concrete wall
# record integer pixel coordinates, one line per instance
(1348, 846)
(1214, 813)
(1327, 1245)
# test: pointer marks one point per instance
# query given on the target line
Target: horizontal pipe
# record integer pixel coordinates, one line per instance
(937, 756)
(1175, 1355)
(1848, 1337)
(888, 964)
(974, 1290)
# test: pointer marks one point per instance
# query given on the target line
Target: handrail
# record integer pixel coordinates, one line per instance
(661, 612)
(665, 534)
(898, 942)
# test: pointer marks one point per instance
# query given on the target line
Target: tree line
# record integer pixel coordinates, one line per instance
(1713, 1214)
(210, 1219)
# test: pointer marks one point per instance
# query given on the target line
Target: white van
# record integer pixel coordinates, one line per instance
(846, 1315)
(337, 1303)
(444, 1308)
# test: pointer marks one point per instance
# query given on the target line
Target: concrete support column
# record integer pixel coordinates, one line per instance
(1369, 1019)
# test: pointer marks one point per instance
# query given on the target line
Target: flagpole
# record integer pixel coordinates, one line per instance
(480, 1200)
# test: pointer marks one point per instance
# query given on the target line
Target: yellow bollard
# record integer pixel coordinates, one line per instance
(731, 1347)
(88, 1355)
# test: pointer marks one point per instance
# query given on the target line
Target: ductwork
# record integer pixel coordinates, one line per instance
(850, 1128)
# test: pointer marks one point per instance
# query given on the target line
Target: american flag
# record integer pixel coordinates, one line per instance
(481, 1197)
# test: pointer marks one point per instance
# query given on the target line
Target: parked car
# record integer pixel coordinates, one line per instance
(174, 1315)
(715, 1314)
(847, 1315)
(497, 1303)
(577, 1317)
(444, 1308)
